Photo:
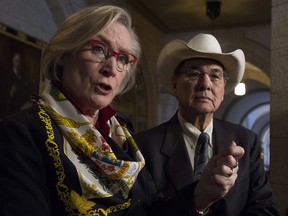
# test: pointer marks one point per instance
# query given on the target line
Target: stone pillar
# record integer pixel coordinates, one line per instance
(279, 104)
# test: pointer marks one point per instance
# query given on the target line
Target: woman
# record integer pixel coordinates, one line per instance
(63, 155)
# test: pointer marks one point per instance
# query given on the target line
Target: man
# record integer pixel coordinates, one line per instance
(198, 74)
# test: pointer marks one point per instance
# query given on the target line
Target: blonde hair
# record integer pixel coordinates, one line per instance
(79, 28)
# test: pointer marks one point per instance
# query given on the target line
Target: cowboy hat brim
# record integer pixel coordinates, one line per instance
(177, 51)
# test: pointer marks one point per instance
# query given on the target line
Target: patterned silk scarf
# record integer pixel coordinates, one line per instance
(113, 177)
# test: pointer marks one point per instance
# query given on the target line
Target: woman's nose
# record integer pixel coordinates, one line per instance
(110, 67)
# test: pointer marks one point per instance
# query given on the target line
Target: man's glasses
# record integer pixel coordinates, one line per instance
(214, 75)
(101, 52)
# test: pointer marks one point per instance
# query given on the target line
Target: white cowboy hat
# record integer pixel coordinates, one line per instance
(200, 46)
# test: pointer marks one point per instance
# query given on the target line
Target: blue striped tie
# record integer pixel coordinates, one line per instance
(201, 155)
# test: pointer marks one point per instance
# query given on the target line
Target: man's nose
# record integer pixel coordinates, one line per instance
(204, 81)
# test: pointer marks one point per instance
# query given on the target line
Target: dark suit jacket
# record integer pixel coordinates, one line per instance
(29, 179)
(168, 162)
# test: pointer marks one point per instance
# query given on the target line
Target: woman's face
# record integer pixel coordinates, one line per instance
(92, 84)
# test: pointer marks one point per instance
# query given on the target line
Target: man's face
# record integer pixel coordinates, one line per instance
(199, 86)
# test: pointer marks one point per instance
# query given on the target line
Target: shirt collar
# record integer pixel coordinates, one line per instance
(191, 131)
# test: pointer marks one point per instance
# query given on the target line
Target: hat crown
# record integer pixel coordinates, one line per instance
(205, 43)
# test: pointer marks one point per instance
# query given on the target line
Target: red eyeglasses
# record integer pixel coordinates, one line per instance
(102, 51)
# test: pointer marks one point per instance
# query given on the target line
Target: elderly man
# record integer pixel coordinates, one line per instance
(198, 74)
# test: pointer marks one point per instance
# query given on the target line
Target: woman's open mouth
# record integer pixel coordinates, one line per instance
(103, 88)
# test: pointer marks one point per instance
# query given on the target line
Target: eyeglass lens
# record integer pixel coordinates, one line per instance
(102, 52)
(194, 74)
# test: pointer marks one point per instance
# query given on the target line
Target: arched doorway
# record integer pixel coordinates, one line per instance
(251, 110)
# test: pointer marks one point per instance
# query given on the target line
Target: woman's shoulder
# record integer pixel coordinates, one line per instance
(29, 122)
(24, 117)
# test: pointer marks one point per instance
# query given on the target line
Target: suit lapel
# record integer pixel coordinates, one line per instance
(220, 137)
(178, 166)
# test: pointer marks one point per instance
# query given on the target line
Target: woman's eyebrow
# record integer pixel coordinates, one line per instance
(108, 42)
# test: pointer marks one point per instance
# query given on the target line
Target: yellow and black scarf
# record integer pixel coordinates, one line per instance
(113, 177)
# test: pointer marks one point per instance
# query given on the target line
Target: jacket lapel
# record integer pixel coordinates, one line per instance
(220, 137)
(178, 166)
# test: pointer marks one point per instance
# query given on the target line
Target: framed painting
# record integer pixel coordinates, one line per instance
(20, 59)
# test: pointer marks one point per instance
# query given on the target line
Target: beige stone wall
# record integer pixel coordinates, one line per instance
(279, 104)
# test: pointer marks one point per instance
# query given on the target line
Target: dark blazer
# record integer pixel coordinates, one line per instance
(31, 185)
(168, 162)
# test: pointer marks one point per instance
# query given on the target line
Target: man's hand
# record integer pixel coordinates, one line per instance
(218, 177)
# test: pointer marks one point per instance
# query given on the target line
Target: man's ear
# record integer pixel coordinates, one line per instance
(174, 83)
(224, 90)
(61, 61)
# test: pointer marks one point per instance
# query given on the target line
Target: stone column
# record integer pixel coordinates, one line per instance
(279, 104)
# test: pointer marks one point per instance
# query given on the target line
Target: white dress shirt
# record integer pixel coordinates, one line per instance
(191, 134)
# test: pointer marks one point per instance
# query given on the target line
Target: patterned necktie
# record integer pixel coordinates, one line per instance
(201, 155)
